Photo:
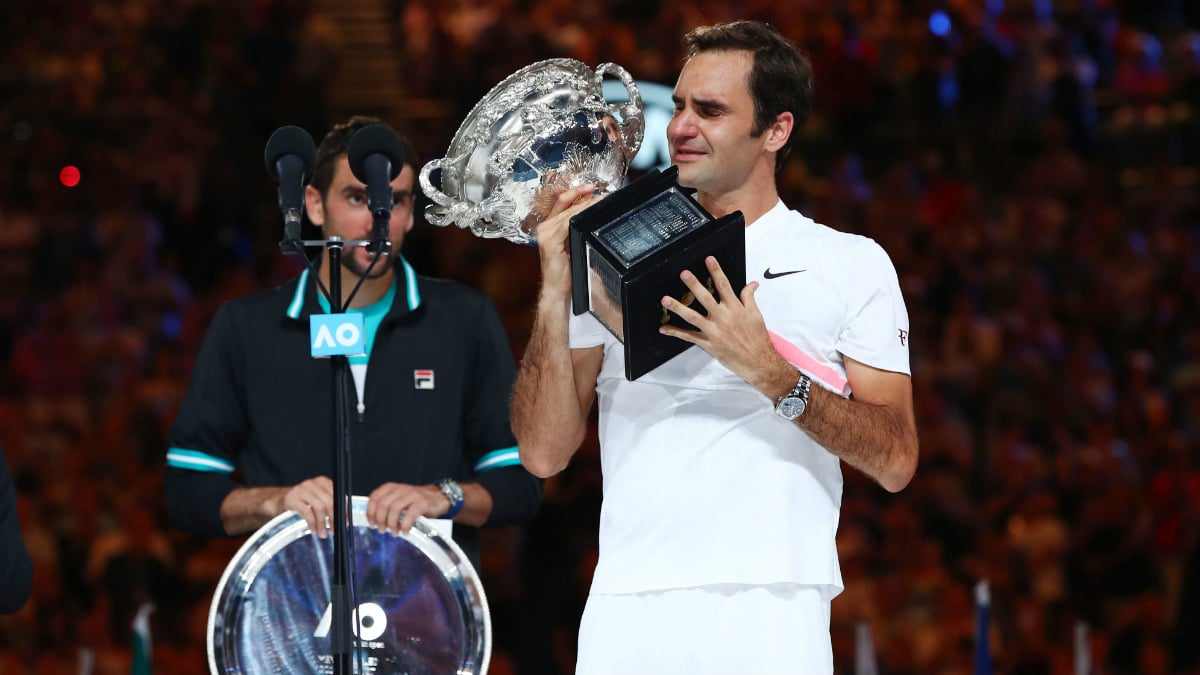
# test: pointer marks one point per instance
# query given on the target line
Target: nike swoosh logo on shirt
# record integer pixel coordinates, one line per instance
(768, 274)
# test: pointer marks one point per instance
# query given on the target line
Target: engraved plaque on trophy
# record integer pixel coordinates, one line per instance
(627, 253)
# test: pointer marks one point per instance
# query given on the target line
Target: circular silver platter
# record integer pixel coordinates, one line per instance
(421, 609)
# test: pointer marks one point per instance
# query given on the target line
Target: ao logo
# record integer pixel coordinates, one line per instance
(657, 109)
(369, 622)
(344, 334)
(337, 335)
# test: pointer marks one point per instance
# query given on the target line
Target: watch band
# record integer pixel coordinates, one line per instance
(792, 405)
(454, 493)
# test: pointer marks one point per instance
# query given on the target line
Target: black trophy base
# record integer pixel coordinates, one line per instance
(627, 253)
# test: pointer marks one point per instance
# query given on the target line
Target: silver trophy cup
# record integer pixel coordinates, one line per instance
(544, 129)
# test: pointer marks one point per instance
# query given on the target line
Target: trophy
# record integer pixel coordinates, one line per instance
(546, 129)
(420, 608)
(543, 130)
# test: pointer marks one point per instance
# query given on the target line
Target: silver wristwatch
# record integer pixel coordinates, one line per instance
(454, 493)
(792, 404)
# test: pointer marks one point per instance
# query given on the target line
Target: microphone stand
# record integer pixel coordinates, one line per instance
(343, 638)
(342, 600)
(342, 635)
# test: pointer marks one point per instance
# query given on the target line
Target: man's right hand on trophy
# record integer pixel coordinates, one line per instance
(313, 500)
(552, 239)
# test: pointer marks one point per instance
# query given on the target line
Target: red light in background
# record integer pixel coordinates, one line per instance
(69, 176)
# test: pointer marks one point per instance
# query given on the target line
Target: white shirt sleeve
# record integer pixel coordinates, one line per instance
(586, 331)
(876, 327)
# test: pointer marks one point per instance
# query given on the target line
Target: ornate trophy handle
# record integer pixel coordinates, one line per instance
(435, 214)
(632, 122)
(486, 219)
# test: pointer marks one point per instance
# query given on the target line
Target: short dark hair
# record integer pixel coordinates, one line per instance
(337, 142)
(781, 78)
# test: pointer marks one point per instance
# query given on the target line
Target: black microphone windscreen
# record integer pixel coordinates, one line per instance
(289, 140)
(375, 139)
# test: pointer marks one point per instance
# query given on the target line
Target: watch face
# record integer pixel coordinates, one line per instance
(453, 491)
(791, 407)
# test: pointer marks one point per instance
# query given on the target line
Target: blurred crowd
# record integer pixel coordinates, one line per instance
(1030, 165)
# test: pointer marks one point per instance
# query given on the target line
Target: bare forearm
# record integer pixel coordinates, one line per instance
(549, 406)
(247, 509)
(546, 414)
(875, 439)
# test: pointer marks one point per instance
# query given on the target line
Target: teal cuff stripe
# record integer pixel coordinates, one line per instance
(197, 461)
(410, 282)
(293, 309)
(499, 458)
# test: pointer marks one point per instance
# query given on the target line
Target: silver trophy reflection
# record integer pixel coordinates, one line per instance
(544, 129)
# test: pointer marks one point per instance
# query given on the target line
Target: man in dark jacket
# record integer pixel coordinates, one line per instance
(428, 410)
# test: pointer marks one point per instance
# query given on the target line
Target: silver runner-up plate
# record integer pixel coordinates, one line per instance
(421, 609)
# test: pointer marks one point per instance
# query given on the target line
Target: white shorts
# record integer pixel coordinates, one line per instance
(725, 629)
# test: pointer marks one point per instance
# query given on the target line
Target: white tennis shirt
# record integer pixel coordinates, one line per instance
(703, 482)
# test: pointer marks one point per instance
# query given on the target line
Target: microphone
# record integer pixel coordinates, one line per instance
(376, 156)
(289, 154)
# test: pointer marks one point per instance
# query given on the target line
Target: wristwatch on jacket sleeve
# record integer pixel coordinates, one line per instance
(454, 493)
